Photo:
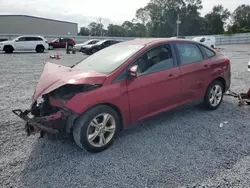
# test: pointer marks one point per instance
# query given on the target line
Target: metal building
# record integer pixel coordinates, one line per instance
(23, 25)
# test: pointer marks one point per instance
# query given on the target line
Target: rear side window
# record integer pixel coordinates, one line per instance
(189, 53)
(209, 52)
(33, 39)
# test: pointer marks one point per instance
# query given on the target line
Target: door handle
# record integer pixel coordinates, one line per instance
(170, 75)
(205, 65)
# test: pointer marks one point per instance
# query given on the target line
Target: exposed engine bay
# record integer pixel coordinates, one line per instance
(48, 113)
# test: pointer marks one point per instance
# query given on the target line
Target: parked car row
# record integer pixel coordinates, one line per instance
(39, 44)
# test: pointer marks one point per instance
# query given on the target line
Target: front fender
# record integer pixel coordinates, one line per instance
(114, 94)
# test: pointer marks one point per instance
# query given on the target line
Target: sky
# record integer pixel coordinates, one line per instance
(85, 11)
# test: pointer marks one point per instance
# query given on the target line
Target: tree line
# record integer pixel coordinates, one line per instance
(159, 19)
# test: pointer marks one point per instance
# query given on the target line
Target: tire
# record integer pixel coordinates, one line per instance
(82, 128)
(40, 49)
(93, 51)
(8, 49)
(212, 105)
(51, 47)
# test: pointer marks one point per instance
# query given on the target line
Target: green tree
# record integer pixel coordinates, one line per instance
(84, 31)
(241, 16)
(115, 31)
(96, 29)
(217, 19)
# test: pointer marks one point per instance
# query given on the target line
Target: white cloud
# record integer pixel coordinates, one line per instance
(85, 11)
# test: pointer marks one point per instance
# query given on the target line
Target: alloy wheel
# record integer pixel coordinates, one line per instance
(101, 130)
(215, 95)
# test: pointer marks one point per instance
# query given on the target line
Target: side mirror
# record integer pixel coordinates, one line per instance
(133, 71)
(16, 40)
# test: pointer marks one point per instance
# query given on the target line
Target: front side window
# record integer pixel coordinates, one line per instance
(157, 59)
(107, 60)
(22, 39)
(189, 53)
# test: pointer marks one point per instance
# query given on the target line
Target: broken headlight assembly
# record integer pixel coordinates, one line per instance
(67, 91)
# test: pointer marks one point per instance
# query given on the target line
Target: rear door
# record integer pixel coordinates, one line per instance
(33, 42)
(157, 87)
(195, 70)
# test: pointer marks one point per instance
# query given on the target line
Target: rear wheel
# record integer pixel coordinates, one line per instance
(40, 49)
(95, 130)
(214, 95)
(8, 49)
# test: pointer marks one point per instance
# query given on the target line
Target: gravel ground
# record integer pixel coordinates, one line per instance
(182, 148)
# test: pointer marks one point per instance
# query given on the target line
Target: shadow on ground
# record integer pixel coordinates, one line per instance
(173, 150)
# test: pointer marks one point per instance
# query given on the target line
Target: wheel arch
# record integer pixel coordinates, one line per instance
(222, 80)
(114, 107)
(8, 45)
(40, 45)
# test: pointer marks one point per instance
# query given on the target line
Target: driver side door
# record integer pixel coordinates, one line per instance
(157, 86)
(22, 44)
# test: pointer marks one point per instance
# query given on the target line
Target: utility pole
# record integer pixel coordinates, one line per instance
(178, 22)
(100, 26)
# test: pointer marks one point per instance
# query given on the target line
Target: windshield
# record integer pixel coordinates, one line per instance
(15, 38)
(101, 41)
(108, 59)
(55, 40)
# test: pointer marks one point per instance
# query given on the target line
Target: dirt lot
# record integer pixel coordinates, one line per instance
(182, 148)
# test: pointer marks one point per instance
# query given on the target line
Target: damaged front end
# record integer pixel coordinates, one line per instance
(43, 117)
(50, 114)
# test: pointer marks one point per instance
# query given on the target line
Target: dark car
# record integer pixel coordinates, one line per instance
(93, 48)
(122, 84)
(61, 43)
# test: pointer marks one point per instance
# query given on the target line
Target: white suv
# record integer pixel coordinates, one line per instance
(25, 43)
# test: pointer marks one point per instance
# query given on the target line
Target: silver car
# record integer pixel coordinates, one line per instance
(78, 47)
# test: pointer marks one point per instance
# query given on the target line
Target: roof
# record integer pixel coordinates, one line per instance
(31, 36)
(11, 15)
(152, 41)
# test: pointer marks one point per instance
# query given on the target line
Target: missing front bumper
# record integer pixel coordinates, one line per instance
(37, 124)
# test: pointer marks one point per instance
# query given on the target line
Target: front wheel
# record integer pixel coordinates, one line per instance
(95, 130)
(94, 51)
(214, 95)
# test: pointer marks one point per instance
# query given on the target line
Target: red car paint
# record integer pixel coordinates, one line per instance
(61, 42)
(54, 76)
(139, 97)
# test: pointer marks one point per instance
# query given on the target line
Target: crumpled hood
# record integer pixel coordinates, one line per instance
(55, 76)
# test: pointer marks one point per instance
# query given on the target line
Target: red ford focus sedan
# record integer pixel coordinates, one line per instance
(96, 98)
